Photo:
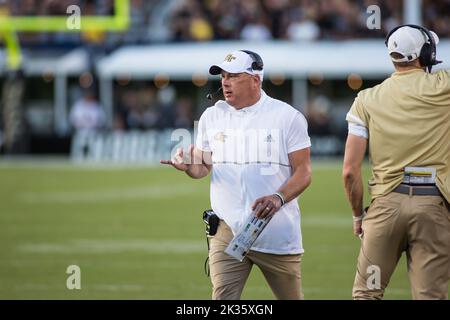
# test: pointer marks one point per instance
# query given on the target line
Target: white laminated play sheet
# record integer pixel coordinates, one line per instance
(247, 235)
(419, 175)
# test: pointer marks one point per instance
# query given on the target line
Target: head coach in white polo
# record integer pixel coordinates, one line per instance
(258, 152)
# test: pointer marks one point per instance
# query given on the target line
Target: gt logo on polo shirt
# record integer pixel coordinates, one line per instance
(220, 136)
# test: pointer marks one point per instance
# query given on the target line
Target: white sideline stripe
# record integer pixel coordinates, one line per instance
(116, 246)
(62, 165)
(115, 287)
(117, 194)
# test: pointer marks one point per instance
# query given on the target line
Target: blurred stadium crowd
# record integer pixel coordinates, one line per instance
(306, 20)
(209, 20)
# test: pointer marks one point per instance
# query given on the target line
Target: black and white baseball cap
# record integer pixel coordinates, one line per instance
(408, 42)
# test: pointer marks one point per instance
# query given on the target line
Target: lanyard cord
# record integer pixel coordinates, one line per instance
(206, 265)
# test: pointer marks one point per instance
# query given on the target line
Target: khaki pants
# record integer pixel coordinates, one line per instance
(418, 225)
(228, 275)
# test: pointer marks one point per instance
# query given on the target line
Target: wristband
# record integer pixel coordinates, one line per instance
(280, 195)
(359, 218)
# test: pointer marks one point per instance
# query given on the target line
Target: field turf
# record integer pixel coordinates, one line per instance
(137, 233)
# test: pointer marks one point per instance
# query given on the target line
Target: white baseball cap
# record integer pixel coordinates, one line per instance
(236, 62)
(408, 42)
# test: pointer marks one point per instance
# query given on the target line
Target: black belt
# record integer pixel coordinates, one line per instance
(418, 190)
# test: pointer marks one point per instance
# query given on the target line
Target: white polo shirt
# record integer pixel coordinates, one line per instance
(250, 150)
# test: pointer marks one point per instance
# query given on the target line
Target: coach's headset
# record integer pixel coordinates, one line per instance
(257, 65)
(427, 57)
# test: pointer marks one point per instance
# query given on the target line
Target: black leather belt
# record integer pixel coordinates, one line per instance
(418, 190)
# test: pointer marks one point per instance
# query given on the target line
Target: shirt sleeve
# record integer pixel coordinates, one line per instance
(358, 130)
(202, 141)
(358, 114)
(297, 134)
(358, 119)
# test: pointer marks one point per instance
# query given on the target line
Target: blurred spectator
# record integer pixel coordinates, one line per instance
(127, 99)
(303, 28)
(94, 37)
(180, 24)
(137, 110)
(144, 114)
(189, 22)
(141, 118)
(146, 108)
(199, 28)
(276, 9)
(184, 113)
(436, 16)
(256, 29)
(139, 20)
(166, 106)
(227, 19)
(87, 114)
(317, 114)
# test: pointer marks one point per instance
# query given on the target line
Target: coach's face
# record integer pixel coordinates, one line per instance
(240, 89)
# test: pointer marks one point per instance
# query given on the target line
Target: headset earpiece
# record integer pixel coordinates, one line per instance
(258, 63)
(426, 53)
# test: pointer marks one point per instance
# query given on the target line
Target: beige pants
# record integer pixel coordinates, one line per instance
(418, 225)
(228, 275)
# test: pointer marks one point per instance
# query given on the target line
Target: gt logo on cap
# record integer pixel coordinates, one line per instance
(229, 57)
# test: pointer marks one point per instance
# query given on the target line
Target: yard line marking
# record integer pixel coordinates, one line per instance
(389, 291)
(87, 246)
(114, 194)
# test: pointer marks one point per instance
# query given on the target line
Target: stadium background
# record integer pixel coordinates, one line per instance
(97, 198)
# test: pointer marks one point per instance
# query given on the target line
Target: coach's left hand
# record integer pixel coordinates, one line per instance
(266, 206)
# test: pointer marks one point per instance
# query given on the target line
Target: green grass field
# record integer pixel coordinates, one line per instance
(137, 233)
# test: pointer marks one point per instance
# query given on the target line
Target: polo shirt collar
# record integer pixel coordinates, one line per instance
(253, 108)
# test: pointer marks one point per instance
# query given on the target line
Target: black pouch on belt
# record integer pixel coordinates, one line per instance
(212, 222)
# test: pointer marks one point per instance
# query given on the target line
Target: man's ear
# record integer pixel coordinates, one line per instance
(257, 81)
